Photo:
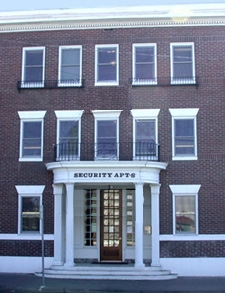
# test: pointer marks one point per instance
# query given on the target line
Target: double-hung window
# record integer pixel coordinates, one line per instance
(33, 67)
(30, 200)
(185, 209)
(106, 65)
(31, 135)
(184, 134)
(106, 134)
(182, 63)
(144, 64)
(70, 65)
(145, 134)
(68, 135)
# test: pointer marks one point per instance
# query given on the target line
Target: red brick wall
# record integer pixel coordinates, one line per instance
(208, 170)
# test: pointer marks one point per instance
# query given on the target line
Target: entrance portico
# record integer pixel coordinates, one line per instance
(70, 178)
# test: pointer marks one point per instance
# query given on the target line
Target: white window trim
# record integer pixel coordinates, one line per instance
(31, 116)
(107, 115)
(188, 113)
(181, 80)
(24, 83)
(145, 114)
(107, 83)
(28, 191)
(78, 84)
(147, 81)
(185, 190)
(70, 115)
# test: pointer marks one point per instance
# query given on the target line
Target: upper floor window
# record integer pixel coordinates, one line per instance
(31, 135)
(106, 65)
(182, 63)
(70, 61)
(185, 209)
(184, 134)
(144, 64)
(145, 133)
(33, 67)
(106, 134)
(30, 200)
(68, 134)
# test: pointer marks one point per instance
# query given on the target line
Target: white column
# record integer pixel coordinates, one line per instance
(155, 225)
(139, 201)
(58, 226)
(69, 224)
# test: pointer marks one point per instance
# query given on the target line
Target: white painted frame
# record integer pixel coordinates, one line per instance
(70, 115)
(75, 83)
(185, 190)
(188, 113)
(28, 191)
(27, 84)
(145, 114)
(106, 115)
(145, 81)
(112, 82)
(31, 116)
(182, 80)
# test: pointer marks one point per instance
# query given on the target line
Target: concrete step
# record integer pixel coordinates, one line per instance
(108, 273)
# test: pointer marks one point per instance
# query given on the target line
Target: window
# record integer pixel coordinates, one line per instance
(130, 197)
(30, 200)
(185, 209)
(33, 67)
(144, 64)
(184, 134)
(106, 134)
(182, 63)
(31, 135)
(68, 134)
(107, 65)
(145, 133)
(90, 220)
(70, 66)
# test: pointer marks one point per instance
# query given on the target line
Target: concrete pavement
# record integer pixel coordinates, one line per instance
(25, 283)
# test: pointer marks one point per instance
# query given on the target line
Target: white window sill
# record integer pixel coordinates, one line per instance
(110, 83)
(192, 158)
(30, 159)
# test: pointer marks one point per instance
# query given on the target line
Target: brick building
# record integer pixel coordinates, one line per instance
(112, 120)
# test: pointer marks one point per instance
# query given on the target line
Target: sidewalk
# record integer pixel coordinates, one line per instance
(25, 283)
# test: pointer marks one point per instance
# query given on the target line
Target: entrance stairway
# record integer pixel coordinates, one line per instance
(108, 272)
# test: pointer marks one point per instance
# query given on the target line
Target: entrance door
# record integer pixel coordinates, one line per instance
(111, 225)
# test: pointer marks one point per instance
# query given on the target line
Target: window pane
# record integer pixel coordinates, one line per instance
(145, 71)
(107, 137)
(144, 54)
(145, 137)
(107, 56)
(107, 72)
(107, 67)
(184, 137)
(70, 73)
(182, 71)
(68, 130)
(68, 138)
(30, 214)
(182, 54)
(34, 58)
(32, 132)
(33, 74)
(90, 221)
(185, 214)
(71, 56)
(130, 217)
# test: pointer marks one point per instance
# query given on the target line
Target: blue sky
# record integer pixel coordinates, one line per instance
(12, 5)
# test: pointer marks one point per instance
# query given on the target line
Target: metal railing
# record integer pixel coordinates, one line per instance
(124, 151)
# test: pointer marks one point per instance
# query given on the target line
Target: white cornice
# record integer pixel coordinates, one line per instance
(99, 18)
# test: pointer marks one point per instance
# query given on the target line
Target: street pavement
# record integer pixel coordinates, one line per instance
(27, 283)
